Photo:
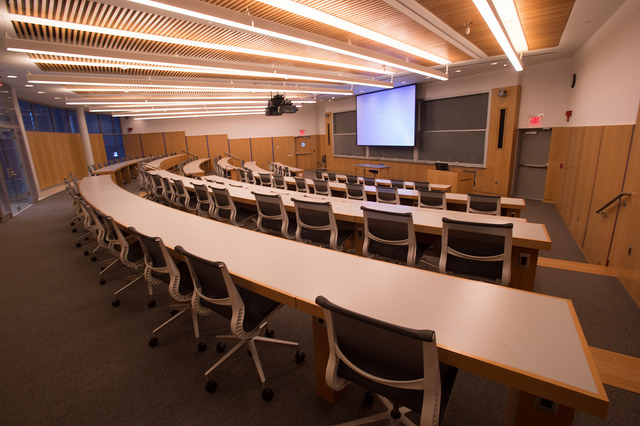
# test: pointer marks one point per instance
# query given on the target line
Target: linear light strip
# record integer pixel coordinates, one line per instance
(325, 18)
(143, 104)
(200, 115)
(183, 42)
(509, 16)
(179, 113)
(255, 27)
(490, 18)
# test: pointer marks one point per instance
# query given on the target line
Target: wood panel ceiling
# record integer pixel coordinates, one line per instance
(121, 38)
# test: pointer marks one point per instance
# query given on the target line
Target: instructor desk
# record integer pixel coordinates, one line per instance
(531, 342)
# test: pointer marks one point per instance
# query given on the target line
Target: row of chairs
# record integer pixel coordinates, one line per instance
(202, 287)
(197, 286)
(477, 250)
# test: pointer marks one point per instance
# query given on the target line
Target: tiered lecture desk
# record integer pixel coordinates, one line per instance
(199, 167)
(121, 172)
(530, 342)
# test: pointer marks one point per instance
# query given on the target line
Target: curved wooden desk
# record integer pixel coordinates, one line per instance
(197, 167)
(121, 172)
(528, 341)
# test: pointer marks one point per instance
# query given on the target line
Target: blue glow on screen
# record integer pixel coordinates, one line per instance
(387, 117)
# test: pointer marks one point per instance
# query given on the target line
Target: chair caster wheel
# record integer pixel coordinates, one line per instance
(221, 347)
(368, 398)
(101, 268)
(78, 244)
(173, 312)
(102, 280)
(74, 230)
(151, 303)
(300, 356)
(269, 332)
(86, 253)
(115, 303)
(211, 386)
(202, 346)
(94, 258)
(153, 342)
(267, 394)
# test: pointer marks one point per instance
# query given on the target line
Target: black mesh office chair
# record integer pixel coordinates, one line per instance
(387, 195)
(226, 209)
(484, 204)
(301, 184)
(131, 256)
(481, 251)
(205, 206)
(397, 183)
(272, 216)
(279, 182)
(422, 186)
(432, 199)
(355, 191)
(246, 311)
(369, 181)
(317, 224)
(182, 198)
(399, 364)
(332, 177)
(390, 236)
(352, 178)
(265, 179)
(321, 187)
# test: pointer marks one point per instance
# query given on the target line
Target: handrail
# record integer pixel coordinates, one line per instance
(189, 153)
(233, 156)
(618, 197)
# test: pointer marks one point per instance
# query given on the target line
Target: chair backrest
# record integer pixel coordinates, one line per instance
(432, 199)
(316, 222)
(272, 215)
(279, 182)
(485, 204)
(160, 268)
(265, 179)
(225, 208)
(369, 181)
(168, 193)
(352, 179)
(321, 187)
(387, 195)
(215, 290)
(206, 205)
(389, 235)
(318, 174)
(131, 254)
(182, 198)
(422, 186)
(477, 250)
(332, 177)
(398, 363)
(355, 191)
(396, 183)
(243, 176)
(250, 178)
(301, 184)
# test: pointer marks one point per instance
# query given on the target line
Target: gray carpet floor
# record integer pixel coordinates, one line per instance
(68, 357)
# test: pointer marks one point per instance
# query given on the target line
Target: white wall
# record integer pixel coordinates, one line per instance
(607, 69)
(247, 126)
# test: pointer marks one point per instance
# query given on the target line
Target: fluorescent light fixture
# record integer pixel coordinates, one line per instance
(325, 18)
(509, 16)
(490, 18)
(201, 115)
(185, 42)
(270, 29)
(170, 114)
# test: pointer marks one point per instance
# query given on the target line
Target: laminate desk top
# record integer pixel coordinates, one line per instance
(372, 166)
(387, 182)
(167, 162)
(525, 340)
(429, 221)
(224, 162)
(194, 168)
(112, 168)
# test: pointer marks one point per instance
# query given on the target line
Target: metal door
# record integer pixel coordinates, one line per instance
(15, 187)
(533, 156)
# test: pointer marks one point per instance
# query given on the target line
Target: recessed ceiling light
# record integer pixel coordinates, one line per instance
(40, 92)
(12, 76)
(458, 70)
(494, 63)
(28, 85)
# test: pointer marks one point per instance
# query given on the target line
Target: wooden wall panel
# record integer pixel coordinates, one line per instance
(97, 148)
(571, 165)
(558, 152)
(55, 155)
(583, 190)
(625, 248)
(241, 148)
(262, 151)
(132, 145)
(175, 142)
(153, 144)
(218, 145)
(609, 182)
(284, 150)
(197, 145)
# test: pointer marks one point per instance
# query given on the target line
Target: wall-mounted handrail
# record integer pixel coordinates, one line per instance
(618, 197)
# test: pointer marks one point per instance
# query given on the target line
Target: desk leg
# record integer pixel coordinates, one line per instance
(524, 262)
(321, 355)
(523, 409)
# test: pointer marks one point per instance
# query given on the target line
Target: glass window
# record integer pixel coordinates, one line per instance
(43, 118)
(27, 116)
(106, 124)
(93, 122)
(61, 120)
(73, 122)
(116, 125)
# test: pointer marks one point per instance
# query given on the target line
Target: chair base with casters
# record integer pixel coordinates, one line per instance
(247, 312)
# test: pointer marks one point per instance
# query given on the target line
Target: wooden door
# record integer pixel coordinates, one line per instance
(608, 183)
(284, 150)
(305, 149)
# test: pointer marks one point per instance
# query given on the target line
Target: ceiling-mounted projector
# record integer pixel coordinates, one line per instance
(278, 105)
